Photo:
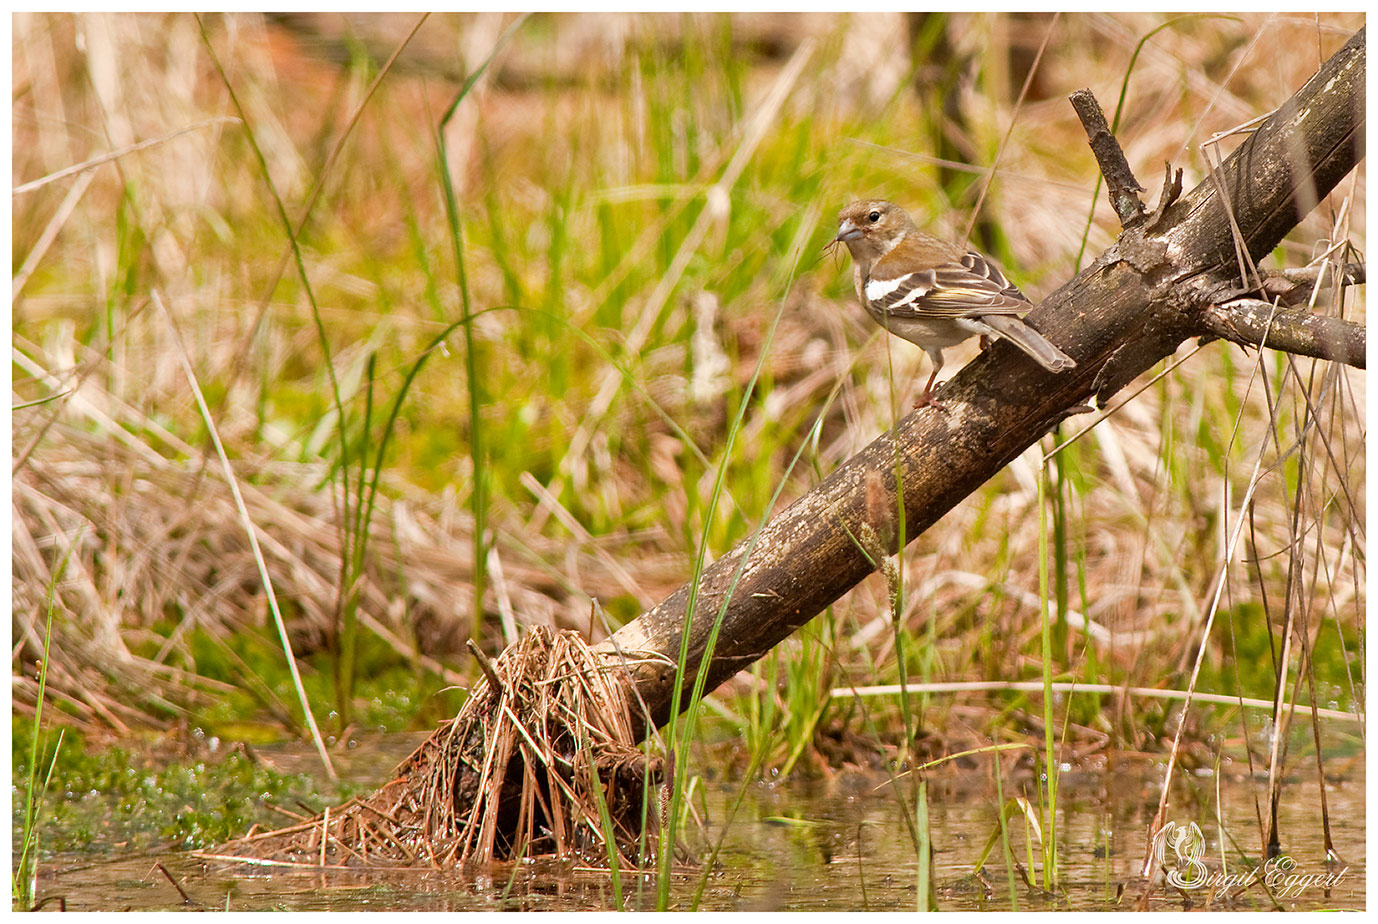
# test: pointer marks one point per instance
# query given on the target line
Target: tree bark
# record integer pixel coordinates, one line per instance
(1124, 313)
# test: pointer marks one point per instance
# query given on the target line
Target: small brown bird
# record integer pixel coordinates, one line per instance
(932, 293)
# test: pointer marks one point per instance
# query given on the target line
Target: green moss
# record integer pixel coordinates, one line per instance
(113, 799)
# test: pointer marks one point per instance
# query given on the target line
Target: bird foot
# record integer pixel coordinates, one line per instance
(927, 400)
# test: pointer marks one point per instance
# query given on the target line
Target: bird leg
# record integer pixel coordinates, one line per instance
(927, 399)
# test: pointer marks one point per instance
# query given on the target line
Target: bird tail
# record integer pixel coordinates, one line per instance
(1029, 340)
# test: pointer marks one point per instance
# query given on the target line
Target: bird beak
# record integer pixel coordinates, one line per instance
(847, 232)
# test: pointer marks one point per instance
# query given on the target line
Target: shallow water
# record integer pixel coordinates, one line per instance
(840, 845)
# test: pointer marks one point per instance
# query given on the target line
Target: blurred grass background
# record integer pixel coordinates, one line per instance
(639, 199)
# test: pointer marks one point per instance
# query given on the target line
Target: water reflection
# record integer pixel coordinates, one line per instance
(843, 845)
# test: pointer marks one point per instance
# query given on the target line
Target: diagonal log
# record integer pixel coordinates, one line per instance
(1127, 311)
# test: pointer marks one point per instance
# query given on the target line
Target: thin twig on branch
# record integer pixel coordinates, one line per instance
(1293, 286)
(1251, 322)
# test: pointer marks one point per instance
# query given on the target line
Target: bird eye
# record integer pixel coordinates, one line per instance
(874, 216)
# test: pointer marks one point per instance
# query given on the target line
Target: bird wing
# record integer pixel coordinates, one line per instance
(974, 286)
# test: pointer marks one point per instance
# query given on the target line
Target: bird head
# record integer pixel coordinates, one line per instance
(871, 227)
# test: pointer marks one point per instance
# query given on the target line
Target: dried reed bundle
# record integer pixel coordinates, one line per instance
(540, 761)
